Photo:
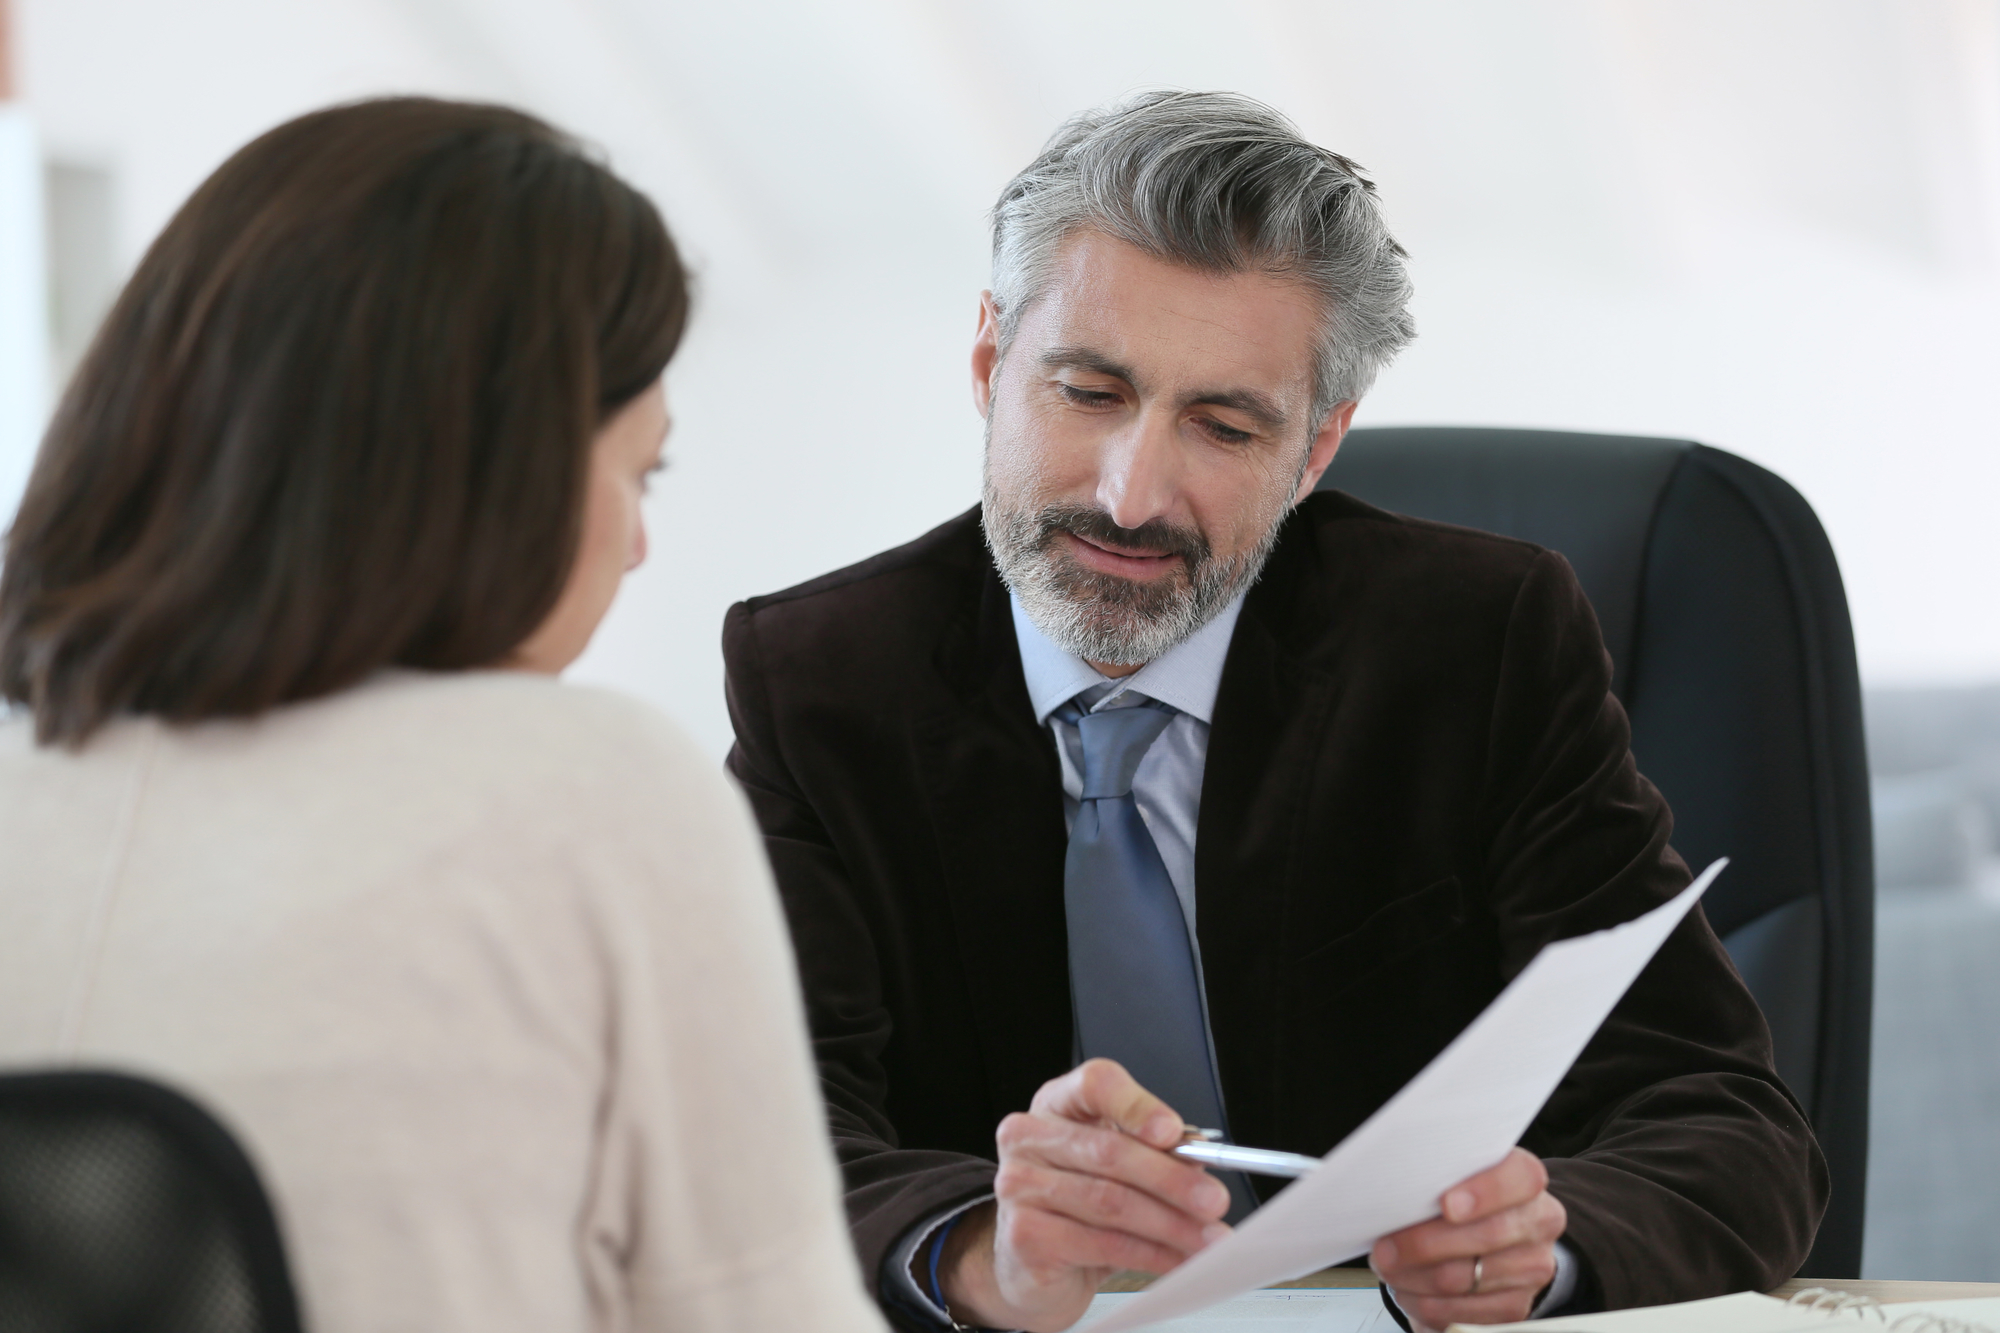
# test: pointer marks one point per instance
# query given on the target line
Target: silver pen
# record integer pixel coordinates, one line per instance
(1204, 1146)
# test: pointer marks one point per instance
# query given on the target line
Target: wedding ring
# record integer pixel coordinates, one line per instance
(1478, 1273)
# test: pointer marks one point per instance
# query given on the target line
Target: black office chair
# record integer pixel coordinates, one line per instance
(125, 1208)
(1732, 652)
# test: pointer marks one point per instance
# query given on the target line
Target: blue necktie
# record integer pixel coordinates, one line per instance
(1132, 973)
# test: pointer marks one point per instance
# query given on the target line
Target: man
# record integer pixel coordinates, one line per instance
(1248, 799)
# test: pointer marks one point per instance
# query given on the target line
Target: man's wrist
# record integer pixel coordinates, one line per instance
(1555, 1297)
(965, 1285)
(906, 1270)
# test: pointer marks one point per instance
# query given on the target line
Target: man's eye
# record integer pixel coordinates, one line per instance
(1226, 434)
(1087, 397)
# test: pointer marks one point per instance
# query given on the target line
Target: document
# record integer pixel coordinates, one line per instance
(1457, 1117)
(1747, 1312)
(1979, 1314)
(1303, 1310)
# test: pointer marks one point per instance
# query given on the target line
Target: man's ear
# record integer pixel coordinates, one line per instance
(985, 353)
(1324, 446)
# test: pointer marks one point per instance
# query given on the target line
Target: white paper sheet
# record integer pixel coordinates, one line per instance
(1744, 1312)
(1297, 1310)
(1457, 1117)
(1982, 1311)
(1748, 1312)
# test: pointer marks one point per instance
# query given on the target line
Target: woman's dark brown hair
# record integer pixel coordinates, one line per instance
(339, 419)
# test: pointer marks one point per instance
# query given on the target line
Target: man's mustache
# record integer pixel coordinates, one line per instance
(1154, 537)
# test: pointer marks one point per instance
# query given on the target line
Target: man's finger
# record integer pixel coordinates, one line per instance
(1539, 1221)
(1049, 1243)
(1101, 1092)
(1501, 1307)
(1089, 1150)
(1514, 1179)
(1521, 1267)
(1107, 1205)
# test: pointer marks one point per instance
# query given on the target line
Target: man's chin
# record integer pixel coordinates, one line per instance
(1117, 622)
(1098, 594)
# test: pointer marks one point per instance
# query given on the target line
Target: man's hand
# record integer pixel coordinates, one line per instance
(1087, 1186)
(1504, 1219)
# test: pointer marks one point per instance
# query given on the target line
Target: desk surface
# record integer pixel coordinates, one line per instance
(1881, 1290)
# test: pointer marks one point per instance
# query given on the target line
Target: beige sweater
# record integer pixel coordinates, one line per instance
(487, 973)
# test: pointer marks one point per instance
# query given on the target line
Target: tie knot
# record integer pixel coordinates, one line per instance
(1114, 741)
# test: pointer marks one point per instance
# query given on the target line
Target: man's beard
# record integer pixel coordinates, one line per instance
(1101, 617)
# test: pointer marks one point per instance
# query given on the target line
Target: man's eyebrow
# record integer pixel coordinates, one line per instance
(1247, 401)
(1083, 358)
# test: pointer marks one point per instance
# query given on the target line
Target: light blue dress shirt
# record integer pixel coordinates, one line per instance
(1167, 784)
(1167, 789)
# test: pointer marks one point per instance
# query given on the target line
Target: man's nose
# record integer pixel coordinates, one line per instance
(1139, 475)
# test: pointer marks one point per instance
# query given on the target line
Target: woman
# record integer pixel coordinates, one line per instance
(486, 971)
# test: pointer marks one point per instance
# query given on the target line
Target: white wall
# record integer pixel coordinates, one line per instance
(1771, 227)
(23, 310)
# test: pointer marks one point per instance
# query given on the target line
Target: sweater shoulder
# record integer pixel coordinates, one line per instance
(455, 746)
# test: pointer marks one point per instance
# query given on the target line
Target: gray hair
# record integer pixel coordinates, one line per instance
(1222, 183)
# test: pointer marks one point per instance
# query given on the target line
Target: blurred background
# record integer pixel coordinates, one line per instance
(1769, 225)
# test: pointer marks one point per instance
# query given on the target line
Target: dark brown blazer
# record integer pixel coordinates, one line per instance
(1417, 776)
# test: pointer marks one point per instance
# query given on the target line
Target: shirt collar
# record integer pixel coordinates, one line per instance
(1185, 677)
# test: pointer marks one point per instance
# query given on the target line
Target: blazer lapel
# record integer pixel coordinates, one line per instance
(1270, 714)
(994, 790)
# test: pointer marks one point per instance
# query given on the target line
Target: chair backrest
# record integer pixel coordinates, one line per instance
(1732, 651)
(125, 1208)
